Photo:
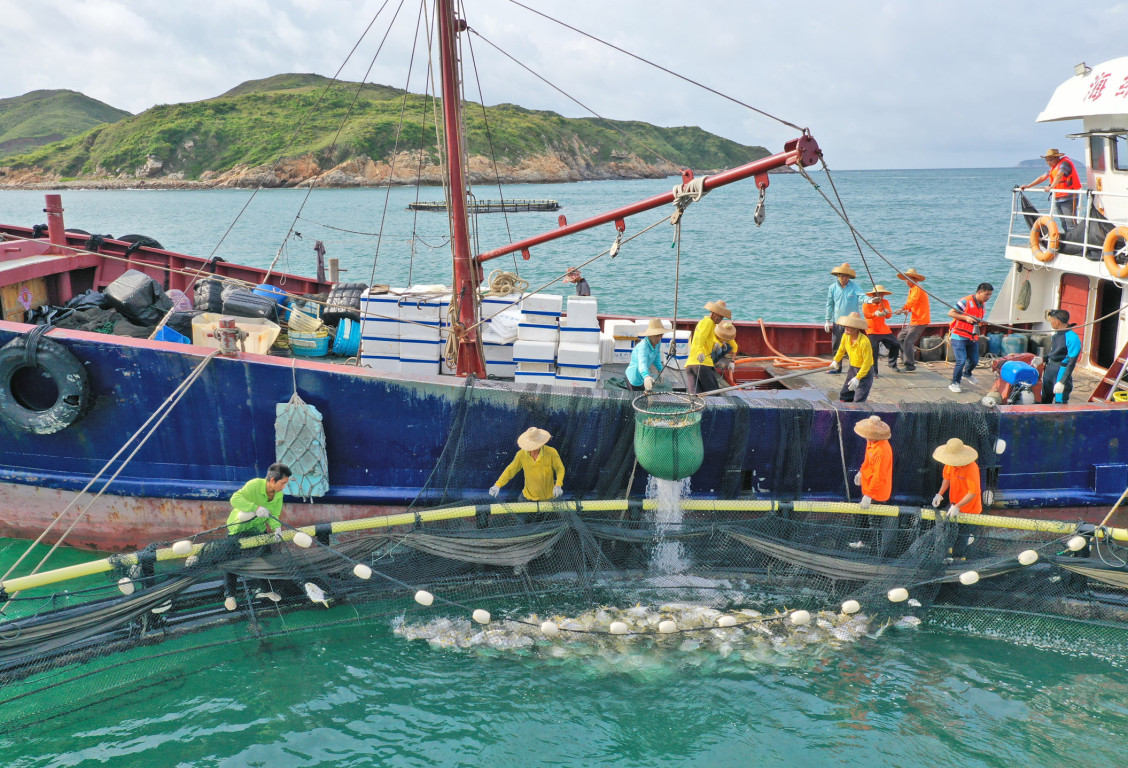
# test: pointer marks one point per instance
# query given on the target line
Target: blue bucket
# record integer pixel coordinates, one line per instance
(347, 343)
(271, 292)
(167, 334)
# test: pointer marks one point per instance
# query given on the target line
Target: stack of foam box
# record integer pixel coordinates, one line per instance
(499, 354)
(380, 331)
(622, 335)
(420, 329)
(578, 356)
(538, 334)
(681, 347)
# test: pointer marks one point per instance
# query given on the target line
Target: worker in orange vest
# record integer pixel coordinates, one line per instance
(961, 478)
(876, 309)
(964, 334)
(876, 474)
(1061, 175)
(916, 307)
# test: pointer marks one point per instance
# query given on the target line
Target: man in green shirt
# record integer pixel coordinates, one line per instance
(255, 509)
(544, 471)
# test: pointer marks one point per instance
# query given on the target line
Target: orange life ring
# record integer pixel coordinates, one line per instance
(1052, 236)
(1111, 242)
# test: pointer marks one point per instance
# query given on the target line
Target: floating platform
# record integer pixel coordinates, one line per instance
(490, 206)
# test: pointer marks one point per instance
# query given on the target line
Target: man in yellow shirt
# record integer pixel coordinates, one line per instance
(699, 373)
(855, 345)
(255, 510)
(544, 472)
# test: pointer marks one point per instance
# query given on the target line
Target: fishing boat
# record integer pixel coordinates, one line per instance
(118, 441)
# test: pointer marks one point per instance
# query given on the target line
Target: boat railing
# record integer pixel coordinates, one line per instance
(1087, 241)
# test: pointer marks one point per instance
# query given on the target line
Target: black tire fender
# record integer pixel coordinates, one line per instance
(63, 368)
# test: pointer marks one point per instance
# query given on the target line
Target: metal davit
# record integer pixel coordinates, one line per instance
(667, 437)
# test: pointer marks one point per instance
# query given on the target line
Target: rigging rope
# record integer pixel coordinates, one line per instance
(503, 283)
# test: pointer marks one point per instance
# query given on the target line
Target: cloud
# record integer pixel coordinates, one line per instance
(881, 85)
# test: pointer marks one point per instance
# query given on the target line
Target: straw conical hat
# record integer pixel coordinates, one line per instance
(843, 269)
(879, 290)
(873, 428)
(655, 328)
(718, 307)
(725, 330)
(955, 454)
(532, 438)
(1051, 153)
(853, 320)
(910, 274)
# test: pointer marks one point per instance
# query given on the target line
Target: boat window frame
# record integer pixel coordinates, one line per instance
(1098, 160)
(1115, 144)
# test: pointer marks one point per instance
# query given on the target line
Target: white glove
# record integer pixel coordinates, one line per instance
(495, 490)
(853, 384)
(865, 502)
(836, 366)
(858, 478)
(826, 327)
(557, 491)
(1059, 388)
(278, 536)
(648, 383)
(937, 500)
(262, 512)
(953, 511)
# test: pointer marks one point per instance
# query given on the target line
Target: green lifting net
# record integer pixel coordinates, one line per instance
(668, 434)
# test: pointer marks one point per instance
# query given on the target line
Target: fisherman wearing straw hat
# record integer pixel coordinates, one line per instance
(876, 474)
(855, 345)
(573, 276)
(916, 307)
(646, 358)
(876, 310)
(961, 478)
(843, 298)
(544, 472)
(699, 373)
(724, 352)
(1061, 175)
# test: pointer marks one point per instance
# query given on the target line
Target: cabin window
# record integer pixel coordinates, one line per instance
(1097, 153)
(1120, 153)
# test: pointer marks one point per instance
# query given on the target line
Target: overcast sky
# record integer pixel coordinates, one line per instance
(880, 84)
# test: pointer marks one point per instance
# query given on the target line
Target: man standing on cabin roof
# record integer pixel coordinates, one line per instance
(916, 307)
(961, 478)
(876, 474)
(855, 345)
(574, 276)
(1065, 348)
(843, 299)
(700, 376)
(255, 509)
(544, 472)
(964, 334)
(1062, 175)
(876, 310)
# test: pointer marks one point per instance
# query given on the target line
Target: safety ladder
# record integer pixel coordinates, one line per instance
(1112, 383)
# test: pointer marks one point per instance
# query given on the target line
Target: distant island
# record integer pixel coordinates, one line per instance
(280, 132)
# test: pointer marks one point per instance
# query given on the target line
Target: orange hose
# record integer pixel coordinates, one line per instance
(780, 360)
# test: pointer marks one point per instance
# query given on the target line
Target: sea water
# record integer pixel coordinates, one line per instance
(942, 694)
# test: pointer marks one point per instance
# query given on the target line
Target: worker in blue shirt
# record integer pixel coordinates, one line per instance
(1065, 349)
(646, 358)
(843, 299)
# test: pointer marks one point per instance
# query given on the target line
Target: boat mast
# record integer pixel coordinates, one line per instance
(467, 273)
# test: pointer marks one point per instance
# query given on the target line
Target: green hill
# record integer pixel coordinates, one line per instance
(43, 117)
(254, 125)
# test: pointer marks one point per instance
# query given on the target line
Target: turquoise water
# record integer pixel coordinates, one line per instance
(359, 695)
(949, 224)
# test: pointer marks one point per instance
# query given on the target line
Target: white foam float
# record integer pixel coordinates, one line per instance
(1028, 557)
(481, 616)
(362, 571)
(967, 578)
(549, 628)
(303, 539)
(898, 595)
(182, 548)
(126, 585)
(619, 628)
(423, 597)
(800, 617)
(726, 621)
(667, 627)
(1077, 543)
(851, 607)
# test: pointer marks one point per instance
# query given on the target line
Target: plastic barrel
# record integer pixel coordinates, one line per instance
(995, 344)
(1014, 344)
(271, 292)
(347, 343)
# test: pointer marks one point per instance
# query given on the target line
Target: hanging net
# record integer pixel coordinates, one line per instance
(624, 558)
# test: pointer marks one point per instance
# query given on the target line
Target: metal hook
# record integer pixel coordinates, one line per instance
(758, 215)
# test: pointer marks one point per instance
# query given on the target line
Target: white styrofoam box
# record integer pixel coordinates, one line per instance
(419, 367)
(623, 327)
(497, 353)
(543, 304)
(584, 355)
(535, 367)
(381, 363)
(606, 348)
(379, 328)
(621, 355)
(377, 347)
(422, 351)
(583, 312)
(493, 305)
(501, 370)
(421, 308)
(579, 335)
(578, 371)
(385, 305)
(534, 351)
(583, 380)
(534, 377)
(537, 332)
(421, 330)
